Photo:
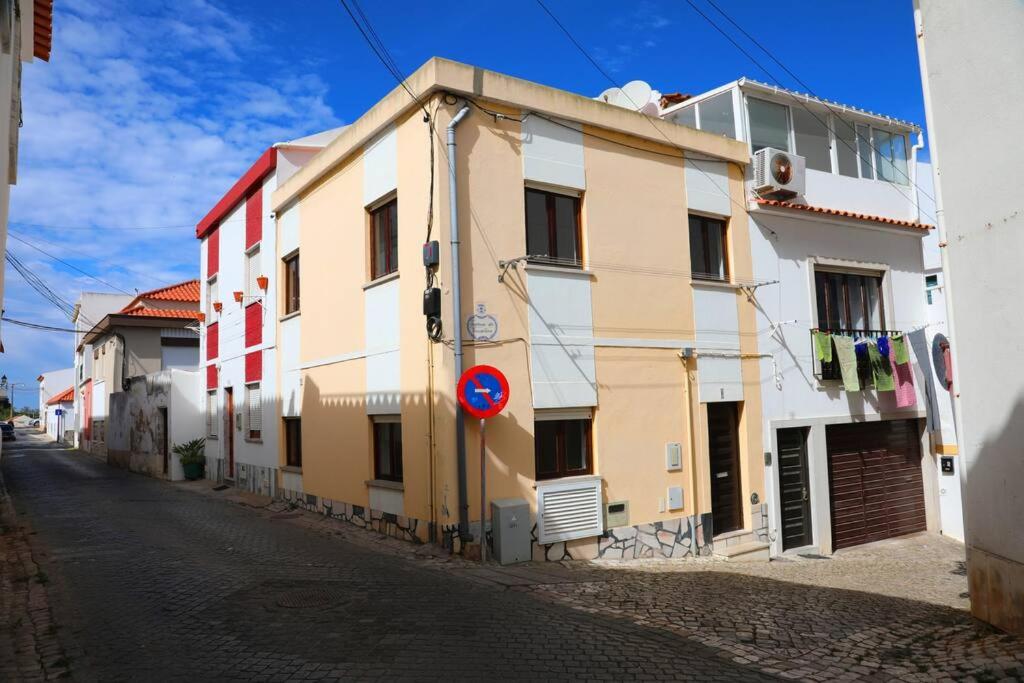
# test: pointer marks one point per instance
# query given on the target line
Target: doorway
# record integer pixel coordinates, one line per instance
(794, 488)
(229, 430)
(724, 457)
(164, 440)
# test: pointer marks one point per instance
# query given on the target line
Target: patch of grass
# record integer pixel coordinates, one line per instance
(42, 578)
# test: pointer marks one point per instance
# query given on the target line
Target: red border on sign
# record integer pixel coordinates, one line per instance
(496, 407)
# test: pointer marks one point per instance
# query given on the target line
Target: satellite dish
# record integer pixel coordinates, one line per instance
(612, 96)
(651, 109)
(636, 95)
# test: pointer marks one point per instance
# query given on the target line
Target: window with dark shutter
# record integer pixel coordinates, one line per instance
(553, 228)
(384, 239)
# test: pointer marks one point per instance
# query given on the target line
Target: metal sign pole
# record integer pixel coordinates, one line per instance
(483, 491)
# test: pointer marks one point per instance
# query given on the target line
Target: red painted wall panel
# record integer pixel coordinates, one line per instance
(254, 366)
(211, 377)
(212, 339)
(254, 217)
(213, 253)
(253, 325)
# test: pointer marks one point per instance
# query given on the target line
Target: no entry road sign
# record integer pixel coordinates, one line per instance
(483, 391)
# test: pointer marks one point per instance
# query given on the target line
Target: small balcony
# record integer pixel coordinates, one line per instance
(829, 372)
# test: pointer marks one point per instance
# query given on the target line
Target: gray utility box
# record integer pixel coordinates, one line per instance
(510, 530)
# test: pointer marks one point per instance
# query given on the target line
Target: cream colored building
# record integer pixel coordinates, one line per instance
(634, 376)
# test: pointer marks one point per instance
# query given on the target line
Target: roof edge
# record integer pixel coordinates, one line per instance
(263, 167)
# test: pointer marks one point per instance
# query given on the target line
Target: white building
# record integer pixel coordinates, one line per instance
(51, 384)
(971, 58)
(839, 248)
(60, 414)
(240, 262)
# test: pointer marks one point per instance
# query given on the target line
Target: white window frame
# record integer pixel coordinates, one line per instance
(212, 291)
(251, 288)
(249, 386)
(789, 122)
(212, 414)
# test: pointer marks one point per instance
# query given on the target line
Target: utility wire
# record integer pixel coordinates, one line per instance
(38, 284)
(70, 265)
(38, 326)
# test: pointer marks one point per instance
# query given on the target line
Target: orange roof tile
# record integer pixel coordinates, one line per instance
(183, 291)
(142, 311)
(63, 397)
(844, 214)
(42, 29)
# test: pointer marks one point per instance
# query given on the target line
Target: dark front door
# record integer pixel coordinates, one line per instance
(875, 486)
(794, 488)
(229, 430)
(723, 451)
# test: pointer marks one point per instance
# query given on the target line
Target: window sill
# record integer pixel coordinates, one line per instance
(580, 478)
(248, 440)
(720, 284)
(292, 469)
(386, 484)
(381, 280)
(289, 316)
(567, 270)
(211, 437)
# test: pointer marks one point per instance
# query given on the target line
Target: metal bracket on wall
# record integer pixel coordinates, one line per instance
(751, 289)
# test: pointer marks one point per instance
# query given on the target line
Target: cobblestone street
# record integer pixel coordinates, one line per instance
(147, 580)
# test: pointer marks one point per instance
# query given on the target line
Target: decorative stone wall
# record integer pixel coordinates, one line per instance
(214, 469)
(395, 526)
(256, 479)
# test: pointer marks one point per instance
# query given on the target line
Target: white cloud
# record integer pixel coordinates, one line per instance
(146, 114)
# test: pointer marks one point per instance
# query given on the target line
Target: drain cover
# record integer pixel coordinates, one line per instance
(306, 598)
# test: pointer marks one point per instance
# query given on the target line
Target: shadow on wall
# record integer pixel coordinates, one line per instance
(993, 498)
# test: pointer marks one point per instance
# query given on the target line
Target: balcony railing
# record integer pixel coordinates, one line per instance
(831, 371)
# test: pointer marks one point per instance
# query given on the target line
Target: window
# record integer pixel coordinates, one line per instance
(553, 227)
(931, 282)
(716, 115)
(562, 448)
(707, 248)
(211, 298)
(846, 146)
(384, 239)
(211, 414)
(849, 301)
(291, 283)
(686, 117)
(890, 156)
(252, 271)
(387, 448)
(293, 442)
(810, 131)
(864, 151)
(769, 125)
(254, 412)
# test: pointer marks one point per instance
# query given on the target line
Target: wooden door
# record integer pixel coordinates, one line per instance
(794, 488)
(723, 452)
(876, 489)
(229, 430)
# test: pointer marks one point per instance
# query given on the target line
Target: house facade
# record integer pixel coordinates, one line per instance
(90, 308)
(239, 252)
(59, 414)
(52, 383)
(633, 427)
(843, 254)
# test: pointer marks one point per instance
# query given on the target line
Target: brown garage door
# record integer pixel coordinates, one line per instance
(875, 485)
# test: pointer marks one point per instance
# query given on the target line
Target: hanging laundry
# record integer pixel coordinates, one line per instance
(823, 346)
(900, 353)
(847, 361)
(881, 369)
(883, 346)
(903, 376)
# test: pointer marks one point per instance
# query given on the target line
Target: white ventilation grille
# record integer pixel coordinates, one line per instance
(569, 508)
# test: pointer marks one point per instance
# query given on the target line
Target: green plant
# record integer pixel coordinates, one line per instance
(191, 452)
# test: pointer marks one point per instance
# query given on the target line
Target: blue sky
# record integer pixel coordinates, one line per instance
(149, 110)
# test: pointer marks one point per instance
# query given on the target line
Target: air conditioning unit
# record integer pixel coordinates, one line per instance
(778, 174)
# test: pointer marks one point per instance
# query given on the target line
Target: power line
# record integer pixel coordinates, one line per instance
(97, 228)
(38, 284)
(70, 265)
(38, 326)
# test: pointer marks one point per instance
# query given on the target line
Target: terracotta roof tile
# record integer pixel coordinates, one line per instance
(845, 214)
(144, 312)
(182, 291)
(63, 397)
(42, 29)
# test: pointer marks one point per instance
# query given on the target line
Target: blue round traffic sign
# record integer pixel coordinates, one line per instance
(483, 391)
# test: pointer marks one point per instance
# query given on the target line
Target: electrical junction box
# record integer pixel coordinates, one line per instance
(510, 530)
(947, 464)
(431, 254)
(675, 497)
(616, 514)
(674, 456)
(432, 302)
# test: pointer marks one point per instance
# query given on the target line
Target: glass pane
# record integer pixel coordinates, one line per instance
(883, 155)
(716, 250)
(873, 287)
(545, 448)
(383, 450)
(864, 151)
(396, 450)
(537, 224)
(379, 245)
(837, 303)
(698, 255)
(393, 223)
(820, 289)
(899, 158)
(566, 233)
(811, 133)
(576, 444)
(686, 117)
(846, 146)
(855, 293)
(716, 115)
(769, 125)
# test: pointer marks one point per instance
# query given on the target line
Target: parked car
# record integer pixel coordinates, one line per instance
(8, 430)
(35, 423)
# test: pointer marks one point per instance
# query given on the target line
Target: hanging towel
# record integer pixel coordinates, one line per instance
(847, 361)
(881, 369)
(883, 346)
(823, 346)
(900, 354)
(903, 376)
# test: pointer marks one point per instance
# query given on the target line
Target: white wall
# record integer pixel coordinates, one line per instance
(380, 166)
(383, 380)
(553, 153)
(54, 382)
(717, 322)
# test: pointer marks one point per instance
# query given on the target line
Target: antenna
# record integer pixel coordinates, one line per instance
(637, 95)
(611, 96)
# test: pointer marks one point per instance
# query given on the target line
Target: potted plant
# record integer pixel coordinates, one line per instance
(262, 282)
(192, 455)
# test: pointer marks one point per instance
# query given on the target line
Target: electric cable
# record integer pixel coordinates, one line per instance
(70, 265)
